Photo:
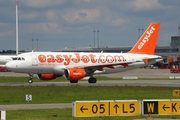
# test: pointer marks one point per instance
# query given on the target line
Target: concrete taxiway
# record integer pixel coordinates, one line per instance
(140, 73)
(168, 83)
(35, 106)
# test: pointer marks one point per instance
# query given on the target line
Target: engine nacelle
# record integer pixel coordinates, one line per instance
(46, 76)
(74, 73)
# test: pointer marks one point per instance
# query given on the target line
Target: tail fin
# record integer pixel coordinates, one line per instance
(147, 42)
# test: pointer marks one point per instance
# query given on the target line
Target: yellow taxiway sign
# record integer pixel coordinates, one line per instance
(106, 108)
(161, 107)
(125, 108)
(176, 92)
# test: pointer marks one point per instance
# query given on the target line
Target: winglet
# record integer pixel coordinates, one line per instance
(146, 61)
(147, 42)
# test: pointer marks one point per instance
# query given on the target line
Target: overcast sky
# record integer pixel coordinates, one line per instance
(70, 23)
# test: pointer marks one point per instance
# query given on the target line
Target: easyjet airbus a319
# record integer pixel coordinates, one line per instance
(75, 66)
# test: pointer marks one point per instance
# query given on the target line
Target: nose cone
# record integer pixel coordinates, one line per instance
(10, 66)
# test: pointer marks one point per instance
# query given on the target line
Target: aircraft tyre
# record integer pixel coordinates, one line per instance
(73, 81)
(92, 80)
(30, 81)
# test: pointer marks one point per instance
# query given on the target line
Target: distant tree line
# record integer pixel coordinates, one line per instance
(10, 52)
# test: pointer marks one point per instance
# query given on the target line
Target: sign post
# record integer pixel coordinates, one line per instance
(2, 115)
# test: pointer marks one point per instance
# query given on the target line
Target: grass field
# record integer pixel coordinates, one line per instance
(69, 94)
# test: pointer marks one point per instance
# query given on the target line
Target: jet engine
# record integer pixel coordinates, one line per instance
(47, 76)
(74, 73)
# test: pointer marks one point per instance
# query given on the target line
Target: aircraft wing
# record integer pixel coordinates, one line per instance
(149, 60)
(99, 65)
(152, 59)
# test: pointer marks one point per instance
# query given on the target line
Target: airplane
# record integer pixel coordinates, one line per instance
(6, 58)
(74, 66)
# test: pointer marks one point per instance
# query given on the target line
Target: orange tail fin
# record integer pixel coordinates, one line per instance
(147, 42)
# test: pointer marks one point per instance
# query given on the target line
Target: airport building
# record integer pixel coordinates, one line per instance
(172, 52)
(172, 49)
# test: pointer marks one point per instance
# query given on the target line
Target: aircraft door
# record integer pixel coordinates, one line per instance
(34, 60)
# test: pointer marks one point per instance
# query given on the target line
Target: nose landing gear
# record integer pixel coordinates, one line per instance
(30, 78)
(30, 81)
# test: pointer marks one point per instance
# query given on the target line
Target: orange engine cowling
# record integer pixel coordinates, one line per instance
(74, 73)
(46, 76)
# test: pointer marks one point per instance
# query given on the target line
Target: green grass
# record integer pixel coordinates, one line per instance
(69, 94)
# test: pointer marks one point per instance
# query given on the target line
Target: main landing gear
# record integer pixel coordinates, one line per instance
(92, 80)
(30, 78)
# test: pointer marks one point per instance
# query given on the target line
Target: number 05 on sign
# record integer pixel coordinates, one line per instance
(106, 108)
(90, 108)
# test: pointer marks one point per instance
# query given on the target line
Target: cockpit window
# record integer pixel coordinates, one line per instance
(14, 58)
(18, 58)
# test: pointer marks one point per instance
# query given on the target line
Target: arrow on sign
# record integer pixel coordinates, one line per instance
(82, 109)
(116, 107)
(164, 107)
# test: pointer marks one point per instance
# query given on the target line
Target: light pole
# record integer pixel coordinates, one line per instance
(32, 43)
(17, 2)
(142, 29)
(37, 43)
(139, 31)
(98, 37)
(94, 37)
(178, 36)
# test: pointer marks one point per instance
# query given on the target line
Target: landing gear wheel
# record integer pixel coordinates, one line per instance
(92, 80)
(73, 81)
(30, 78)
(30, 81)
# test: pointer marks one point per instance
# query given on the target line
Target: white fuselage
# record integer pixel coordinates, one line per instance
(57, 62)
